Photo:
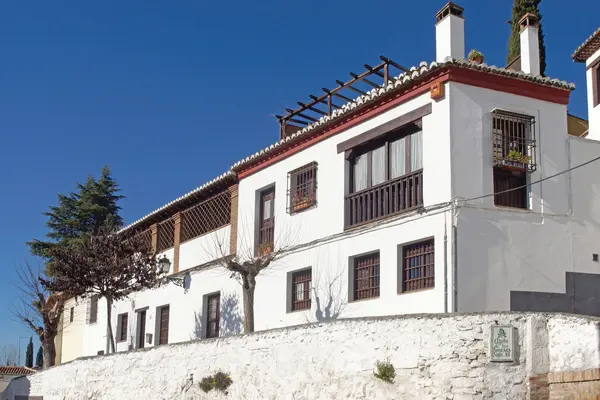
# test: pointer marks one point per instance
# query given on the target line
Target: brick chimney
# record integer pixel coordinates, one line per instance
(450, 33)
(530, 44)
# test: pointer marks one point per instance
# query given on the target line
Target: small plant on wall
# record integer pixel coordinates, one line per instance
(385, 371)
(476, 56)
(219, 381)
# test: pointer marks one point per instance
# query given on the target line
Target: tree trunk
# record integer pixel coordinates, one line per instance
(248, 286)
(49, 350)
(110, 339)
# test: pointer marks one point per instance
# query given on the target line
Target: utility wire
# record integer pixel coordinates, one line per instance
(536, 182)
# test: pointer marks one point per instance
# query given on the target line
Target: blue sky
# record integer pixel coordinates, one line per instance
(170, 94)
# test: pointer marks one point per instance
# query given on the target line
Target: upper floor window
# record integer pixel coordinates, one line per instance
(72, 314)
(266, 222)
(302, 188)
(386, 177)
(514, 154)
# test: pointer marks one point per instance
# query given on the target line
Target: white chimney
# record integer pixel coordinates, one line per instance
(530, 44)
(450, 33)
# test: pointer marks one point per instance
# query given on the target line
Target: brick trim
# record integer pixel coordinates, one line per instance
(538, 387)
(154, 229)
(574, 376)
(176, 241)
(233, 221)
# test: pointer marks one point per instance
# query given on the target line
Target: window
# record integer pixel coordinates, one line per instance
(72, 314)
(122, 327)
(596, 84)
(163, 325)
(514, 154)
(301, 281)
(213, 315)
(418, 266)
(302, 188)
(387, 160)
(92, 310)
(266, 222)
(386, 177)
(366, 277)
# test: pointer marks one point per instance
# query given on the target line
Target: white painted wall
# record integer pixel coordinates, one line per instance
(593, 112)
(72, 332)
(450, 38)
(530, 50)
(434, 356)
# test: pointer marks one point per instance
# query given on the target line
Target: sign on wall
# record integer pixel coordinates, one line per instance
(502, 343)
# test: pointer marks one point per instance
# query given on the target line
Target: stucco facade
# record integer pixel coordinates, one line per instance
(483, 256)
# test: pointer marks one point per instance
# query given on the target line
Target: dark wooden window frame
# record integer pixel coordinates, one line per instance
(123, 321)
(93, 316)
(163, 320)
(366, 276)
(595, 67)
(302, 188)
(417, 268)
(71, 314)
(265, 228)
(303, 277)
(216, 319)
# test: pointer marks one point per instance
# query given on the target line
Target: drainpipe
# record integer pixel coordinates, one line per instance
(445, 264)
(454, 270)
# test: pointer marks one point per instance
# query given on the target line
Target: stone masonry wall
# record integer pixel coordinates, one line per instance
(435, 356)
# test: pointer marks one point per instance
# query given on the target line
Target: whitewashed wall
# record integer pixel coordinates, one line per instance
(434, 356)
(72, 332)
(593, 112)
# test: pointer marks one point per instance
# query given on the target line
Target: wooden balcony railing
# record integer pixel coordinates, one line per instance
(392, 197)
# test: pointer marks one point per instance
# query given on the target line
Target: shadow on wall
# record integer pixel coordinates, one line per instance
(197, 333)
(333, 293)
(231, 316)
(582, 297)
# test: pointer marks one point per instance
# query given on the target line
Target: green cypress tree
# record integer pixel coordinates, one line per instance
(39, 358)
(520, 8)
(86, 210)
(29, 354)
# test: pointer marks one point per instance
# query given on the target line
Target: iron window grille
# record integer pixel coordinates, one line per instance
(366, 277)
(213, 315)
(513, 141)
(302, 188)
(510, 188)
(123, 320)
(418, 267)
(301, 283)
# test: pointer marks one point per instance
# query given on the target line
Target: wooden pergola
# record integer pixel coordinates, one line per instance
(373, 77)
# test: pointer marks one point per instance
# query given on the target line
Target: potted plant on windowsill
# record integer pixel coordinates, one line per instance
(264, 249)
(301, 202)
(516, 160)
(476, 56)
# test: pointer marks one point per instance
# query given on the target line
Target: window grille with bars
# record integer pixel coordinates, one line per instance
(163, 327)
(266, 223)
(122, 323)
(301, 282)
(514, 145)
(166, 235)
(92, 310)
(302, 188)
(511, 188)
(418, 266)
(366, 277)
(206, 216)
(213, 315)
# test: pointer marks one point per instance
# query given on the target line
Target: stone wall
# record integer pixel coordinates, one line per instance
(435, 356)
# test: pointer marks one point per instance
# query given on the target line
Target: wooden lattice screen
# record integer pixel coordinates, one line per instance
(206, 216)
(146, 237)
(166, 235)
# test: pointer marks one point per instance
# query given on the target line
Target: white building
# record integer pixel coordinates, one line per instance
(450, 187)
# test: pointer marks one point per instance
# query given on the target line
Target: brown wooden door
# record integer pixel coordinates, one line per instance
(142, 329)
(213, 315)
(267, 221)
(163, 333)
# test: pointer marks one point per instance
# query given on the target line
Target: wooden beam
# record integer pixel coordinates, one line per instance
(373, 70)
(351, 88)
(312, 108)
(324, 101)
(365, 80)
(301, 115)
(387, 60)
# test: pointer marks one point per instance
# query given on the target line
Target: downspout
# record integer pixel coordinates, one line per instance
(446, 264)
(454, 258)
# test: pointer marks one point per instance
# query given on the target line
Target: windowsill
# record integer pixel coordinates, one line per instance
(299, 311)
(301, 210)
(509, 208)
(415, 291)
(408, 212)
(363, 300)
(121, 341)
(92, 323)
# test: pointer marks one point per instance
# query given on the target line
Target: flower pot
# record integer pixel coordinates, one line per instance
(513, 165)
(300, 205)
(478, 59)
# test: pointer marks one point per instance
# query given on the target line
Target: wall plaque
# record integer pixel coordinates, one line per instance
(502, 343)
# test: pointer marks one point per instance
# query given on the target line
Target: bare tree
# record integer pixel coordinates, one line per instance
(38, 309)
(8, 355)
(252, 260)
(107, 265)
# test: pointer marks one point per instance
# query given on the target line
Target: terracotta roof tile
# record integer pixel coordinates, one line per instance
(589, 47)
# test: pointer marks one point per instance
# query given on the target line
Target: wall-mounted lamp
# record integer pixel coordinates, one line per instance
(164, 264)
